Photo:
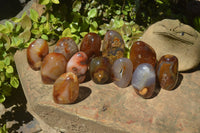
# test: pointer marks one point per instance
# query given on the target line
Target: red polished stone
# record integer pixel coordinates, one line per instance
(78, 64)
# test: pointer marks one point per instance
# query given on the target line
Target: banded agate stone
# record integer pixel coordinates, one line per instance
(113, 46)
(100, 70)
(167, 71)
(122, 72)
(144, 80)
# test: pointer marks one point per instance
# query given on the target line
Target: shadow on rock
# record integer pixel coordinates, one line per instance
(84, 92)
(16, 111)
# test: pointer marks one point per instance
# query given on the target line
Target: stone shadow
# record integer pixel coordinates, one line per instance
(84, 92)
(16, 111)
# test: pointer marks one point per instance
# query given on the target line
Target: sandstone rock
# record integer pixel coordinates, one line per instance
(173, 37)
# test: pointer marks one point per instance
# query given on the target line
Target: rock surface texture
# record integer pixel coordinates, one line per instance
(175, 38)
(108, 108)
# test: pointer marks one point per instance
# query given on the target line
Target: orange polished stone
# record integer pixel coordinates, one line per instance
(66, 88)
(36, 51)
(53, 65)
(140, 53)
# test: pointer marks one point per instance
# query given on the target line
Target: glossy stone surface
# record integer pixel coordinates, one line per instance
(36, 51)
(167, 71)
(109, 107)
(140, 53)
(113, 46)
(122, 72)
(53, 65)
(78, 64)
(91, 45)
(100, 70)
(66, 46)
(66, 88)
(144, 80)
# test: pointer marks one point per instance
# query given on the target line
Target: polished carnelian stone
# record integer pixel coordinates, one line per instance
(53, 65)
(36, 52)
(140, 53)
(91, 45)
(66, 88)
(167, 71)
(66, 46)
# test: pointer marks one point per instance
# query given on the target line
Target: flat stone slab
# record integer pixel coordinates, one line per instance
(108, 108)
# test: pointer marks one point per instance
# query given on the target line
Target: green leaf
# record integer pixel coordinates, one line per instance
(18, 27)
(76, 5)
(66, 33)
(25, 35)
(35, 31)
(2, 76)
(74, 27)
(43, 19)
(9, 26)
(83, 34)
(118, 12)
(17, 20)
(45, 37)
(92, 13)
(47, 28)
(1, 65)
(2, 28)
(16, 41)
(14, 82)
(7, 39)
(3, 129)
(9, 69)
(159, 1)
(34, 15)
(44, 2)
(2, 99)
(102, 32)
(26, 22)
(7, 60)
(55, 1)
(94, 25)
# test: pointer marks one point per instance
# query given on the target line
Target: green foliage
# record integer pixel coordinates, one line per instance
(3, 129)
(197, 23)
(148, 12)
